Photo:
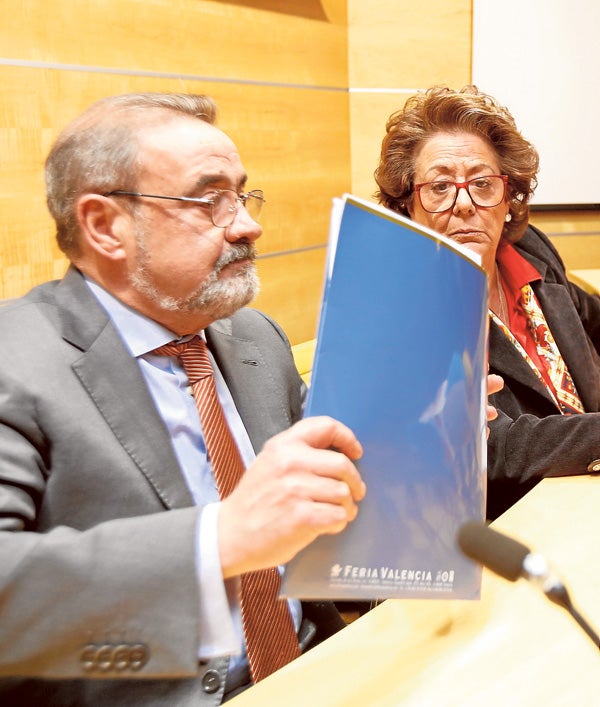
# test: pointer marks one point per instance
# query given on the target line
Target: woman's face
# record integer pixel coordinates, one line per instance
(459, 157)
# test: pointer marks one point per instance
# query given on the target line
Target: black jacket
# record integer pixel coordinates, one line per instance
(531, 439)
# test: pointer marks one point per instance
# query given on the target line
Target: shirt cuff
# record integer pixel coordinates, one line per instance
(218, 634)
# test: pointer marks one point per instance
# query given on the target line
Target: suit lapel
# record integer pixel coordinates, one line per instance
(508, 362)
(114, 382)
(249, 380)
(565, 325)
(564, 322)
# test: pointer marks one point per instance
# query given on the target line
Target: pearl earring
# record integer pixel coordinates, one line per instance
(508, 218)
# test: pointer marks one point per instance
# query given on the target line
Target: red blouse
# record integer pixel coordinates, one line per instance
(517, 272)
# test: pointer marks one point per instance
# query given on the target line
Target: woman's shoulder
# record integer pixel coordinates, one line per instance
(536, 244)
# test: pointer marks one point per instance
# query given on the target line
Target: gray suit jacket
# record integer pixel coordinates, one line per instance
(98, 592)
(530, 439)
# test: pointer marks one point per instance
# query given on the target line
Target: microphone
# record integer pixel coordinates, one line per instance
(511, 559)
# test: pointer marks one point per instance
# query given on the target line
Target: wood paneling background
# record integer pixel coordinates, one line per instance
(395, 48)
(304, 88)
(280, 82)
(399, 46)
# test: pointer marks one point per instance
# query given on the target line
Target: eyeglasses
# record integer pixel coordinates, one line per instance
(224, 204)
(485, 192)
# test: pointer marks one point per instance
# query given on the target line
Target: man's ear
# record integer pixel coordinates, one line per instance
(104, 225)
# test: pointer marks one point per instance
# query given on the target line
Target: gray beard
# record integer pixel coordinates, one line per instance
(215, 298)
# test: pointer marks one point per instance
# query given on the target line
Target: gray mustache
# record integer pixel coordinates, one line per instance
(238, 251)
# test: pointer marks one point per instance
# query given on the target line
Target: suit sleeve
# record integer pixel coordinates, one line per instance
(126, 583)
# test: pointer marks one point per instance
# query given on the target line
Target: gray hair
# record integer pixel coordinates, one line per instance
(99, 149)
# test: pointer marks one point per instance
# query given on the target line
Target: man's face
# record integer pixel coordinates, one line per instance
(180, 263)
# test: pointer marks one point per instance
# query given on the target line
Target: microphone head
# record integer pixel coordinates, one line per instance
(497, 552)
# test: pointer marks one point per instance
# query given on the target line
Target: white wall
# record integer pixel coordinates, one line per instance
(541, 58)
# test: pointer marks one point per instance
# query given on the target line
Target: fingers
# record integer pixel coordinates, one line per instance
(303, 484)
(332, 492)
(324, 433)
(328, 519)
(323, 447)
(491, 413)
(323, 464)
(317, 447)
(495, 383)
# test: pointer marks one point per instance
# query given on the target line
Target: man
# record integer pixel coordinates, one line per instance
(120, 564)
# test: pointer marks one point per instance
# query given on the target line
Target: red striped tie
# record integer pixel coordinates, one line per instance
(271, 640)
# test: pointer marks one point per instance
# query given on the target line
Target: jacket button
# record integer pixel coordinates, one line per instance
(104, 657)
(594, 466)
(211, 681)
(138, 656)
(87, 658)
(120, 657)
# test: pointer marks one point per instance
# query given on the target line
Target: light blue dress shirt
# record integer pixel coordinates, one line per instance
(220, 624)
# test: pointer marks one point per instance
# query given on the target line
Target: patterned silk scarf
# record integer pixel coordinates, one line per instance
(563, 389)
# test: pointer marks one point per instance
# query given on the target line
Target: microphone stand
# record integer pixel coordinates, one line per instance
(535, 568)
(511, 559)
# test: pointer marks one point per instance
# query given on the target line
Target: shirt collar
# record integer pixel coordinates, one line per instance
(516, 270)
(139, 333)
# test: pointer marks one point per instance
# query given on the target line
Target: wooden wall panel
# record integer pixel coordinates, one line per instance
(239, 41)
(369, 113)
(567, 222)
(291, 288)
(300, 169)
(403, 44)
(576, 235)
(578, 250)
(275, 76)
(304, 89)
(396, 47)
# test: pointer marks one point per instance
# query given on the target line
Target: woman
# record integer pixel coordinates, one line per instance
(455, 161)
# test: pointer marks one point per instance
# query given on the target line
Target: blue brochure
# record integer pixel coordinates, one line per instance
(401, 358)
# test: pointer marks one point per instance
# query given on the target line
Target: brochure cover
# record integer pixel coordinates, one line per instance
(401, 358)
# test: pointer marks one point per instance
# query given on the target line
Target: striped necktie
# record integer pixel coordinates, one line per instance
(271, 640)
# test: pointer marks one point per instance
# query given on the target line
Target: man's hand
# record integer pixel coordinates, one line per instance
(302, 484)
